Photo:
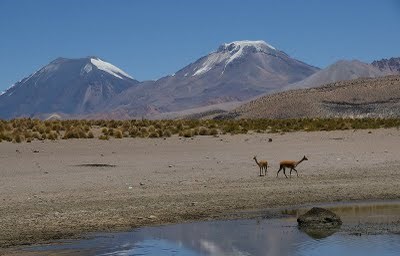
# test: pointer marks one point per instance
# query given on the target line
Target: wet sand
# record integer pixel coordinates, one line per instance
(51, 190)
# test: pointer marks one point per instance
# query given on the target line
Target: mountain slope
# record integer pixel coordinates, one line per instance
(373, 97)
(235, 72)
(67, 86)
(388, 65)
(340, 71)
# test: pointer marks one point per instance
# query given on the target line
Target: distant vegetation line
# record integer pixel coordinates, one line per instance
(27, 130)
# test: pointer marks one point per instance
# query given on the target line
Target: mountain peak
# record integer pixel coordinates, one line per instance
(90, 62)
(229, 52)
(237, 45)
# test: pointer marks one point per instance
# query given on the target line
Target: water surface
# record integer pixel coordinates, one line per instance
(260, 236)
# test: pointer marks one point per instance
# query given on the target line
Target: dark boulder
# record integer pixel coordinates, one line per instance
(319, 218)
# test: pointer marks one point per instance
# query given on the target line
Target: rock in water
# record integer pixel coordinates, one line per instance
(319, 218)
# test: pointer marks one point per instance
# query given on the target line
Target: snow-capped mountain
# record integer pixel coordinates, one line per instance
(236, 71)
(229, 52)
(252, 58)
(68, 86)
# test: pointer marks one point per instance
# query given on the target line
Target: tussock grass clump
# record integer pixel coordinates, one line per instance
(104, 137)
(188, 133)
(153, 134)
(75, 133)
(167, 133)
(204, 131)
(117, 134)
(52, 136)
(133, 131)
(18, 138)
(214, 132)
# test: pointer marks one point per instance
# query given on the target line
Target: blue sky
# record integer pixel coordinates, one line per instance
(150, 39)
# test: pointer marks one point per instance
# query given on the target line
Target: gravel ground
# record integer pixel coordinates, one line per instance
(62, 189)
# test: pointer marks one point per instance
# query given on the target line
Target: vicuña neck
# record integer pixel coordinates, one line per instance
(299, 162)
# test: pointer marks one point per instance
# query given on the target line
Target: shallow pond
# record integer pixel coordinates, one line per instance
(260, 236)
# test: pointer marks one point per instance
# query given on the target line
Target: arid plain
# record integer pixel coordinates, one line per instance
(47, 191)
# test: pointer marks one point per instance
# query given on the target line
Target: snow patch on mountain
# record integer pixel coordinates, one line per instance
(211, 61)
(237, 48)
(109, 68)
(228, 52)
(88, 67)
(260, 44)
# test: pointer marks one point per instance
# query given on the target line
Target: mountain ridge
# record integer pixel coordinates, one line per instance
(235, 72)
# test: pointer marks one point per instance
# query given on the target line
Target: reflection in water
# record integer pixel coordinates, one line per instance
(153, 247)
(240, 237)
(319, 233)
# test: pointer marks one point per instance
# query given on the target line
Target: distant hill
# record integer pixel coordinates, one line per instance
(372, 97)
(341, 71)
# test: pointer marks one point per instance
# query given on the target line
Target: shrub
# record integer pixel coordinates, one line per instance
(86, 128)
(151, 129)
(56, 127)
(90, 135)
(117, 134)
(153, 135)
(188, 133)
(104, 137)
(17, 138)
(143, 130)
(203, 131)
(110, 132)
(167, 133)
(52, 136)
(143, 134)
(74, 132)
(214, 132)
(133, 131)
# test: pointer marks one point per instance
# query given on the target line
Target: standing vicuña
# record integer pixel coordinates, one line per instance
(290, 164)
(262, 164)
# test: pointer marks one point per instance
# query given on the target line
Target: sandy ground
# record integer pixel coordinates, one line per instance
(46, 195)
